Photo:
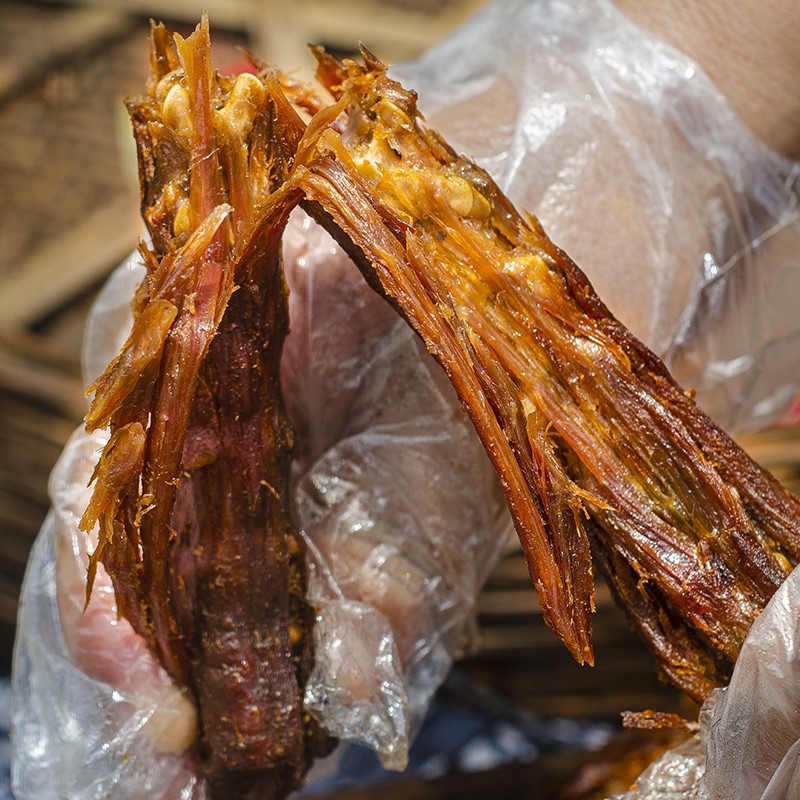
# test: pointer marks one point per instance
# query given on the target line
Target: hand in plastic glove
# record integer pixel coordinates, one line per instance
(401, 509)
(749, 744)
(640, 170)
(396, 496)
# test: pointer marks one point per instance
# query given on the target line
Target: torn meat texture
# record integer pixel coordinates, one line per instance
(596, 446)
(191, 492)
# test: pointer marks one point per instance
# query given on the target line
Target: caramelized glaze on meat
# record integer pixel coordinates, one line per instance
(596, 446)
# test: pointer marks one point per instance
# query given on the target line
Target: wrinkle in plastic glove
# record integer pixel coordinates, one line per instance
(402, 509)
(748, 747)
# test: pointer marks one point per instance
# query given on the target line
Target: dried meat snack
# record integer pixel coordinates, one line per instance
(596, 446)
(191, 491)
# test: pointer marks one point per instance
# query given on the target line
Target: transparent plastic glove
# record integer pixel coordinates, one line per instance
(636, 166)
(403, 512)
(403, 516)
(94, 715)
(749, 744)
(753, 738)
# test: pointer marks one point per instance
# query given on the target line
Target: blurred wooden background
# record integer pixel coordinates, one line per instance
(70, 214)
